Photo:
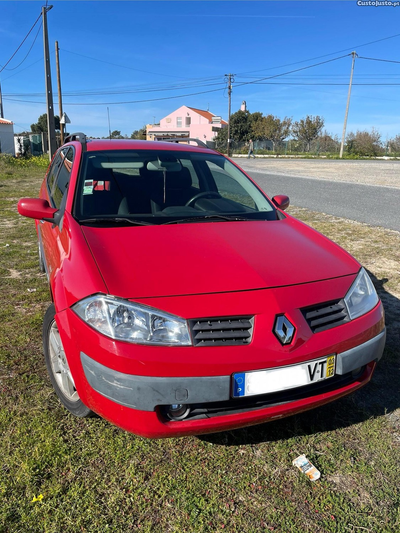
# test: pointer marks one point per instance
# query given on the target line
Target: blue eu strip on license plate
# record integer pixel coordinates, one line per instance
(239, 384)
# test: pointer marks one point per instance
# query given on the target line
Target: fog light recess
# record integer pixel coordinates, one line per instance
(178, 411)
(357, 371)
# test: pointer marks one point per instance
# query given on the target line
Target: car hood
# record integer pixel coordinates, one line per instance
(212, 257)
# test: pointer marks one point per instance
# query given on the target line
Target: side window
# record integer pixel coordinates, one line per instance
(61, 184)
(55, 167)
(228, 187)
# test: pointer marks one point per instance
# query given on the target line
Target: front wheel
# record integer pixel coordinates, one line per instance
(58, 368)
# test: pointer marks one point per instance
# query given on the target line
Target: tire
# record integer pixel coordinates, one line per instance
(58, 368)
(41, 262)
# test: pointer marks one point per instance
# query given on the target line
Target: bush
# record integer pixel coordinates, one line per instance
(41, 161)
(364, 143)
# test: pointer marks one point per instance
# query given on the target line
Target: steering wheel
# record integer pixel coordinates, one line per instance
(200, 195)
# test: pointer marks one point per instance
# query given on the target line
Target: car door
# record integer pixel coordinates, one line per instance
(53, 240)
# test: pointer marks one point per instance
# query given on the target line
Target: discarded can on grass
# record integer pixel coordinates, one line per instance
(307, 468)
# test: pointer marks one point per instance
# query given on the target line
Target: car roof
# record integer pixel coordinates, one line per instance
(96, 145)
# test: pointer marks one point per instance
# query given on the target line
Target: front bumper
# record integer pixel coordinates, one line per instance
(146, 393)
(133, 385)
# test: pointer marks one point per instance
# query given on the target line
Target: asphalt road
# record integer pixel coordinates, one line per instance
(375, 205)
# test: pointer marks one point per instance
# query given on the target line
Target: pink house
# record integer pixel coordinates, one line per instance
(186, 122)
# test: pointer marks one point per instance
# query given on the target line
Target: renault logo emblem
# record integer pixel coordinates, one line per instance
(284, 329)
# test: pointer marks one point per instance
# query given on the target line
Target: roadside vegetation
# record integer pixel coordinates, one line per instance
(62, 474)
(306, 137)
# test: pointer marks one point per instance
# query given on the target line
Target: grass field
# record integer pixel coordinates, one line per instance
(60, 474)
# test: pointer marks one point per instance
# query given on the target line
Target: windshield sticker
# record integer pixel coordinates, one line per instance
(88, 187)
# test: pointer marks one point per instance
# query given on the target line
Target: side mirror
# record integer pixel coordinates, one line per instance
(37, 209)
(281, 201)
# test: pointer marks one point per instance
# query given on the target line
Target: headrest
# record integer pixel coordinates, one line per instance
(179, 180)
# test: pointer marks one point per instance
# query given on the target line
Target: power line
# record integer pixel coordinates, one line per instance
(291, 71)
(214, 90)
(19, 72)
(133, 89)
(325, 55)
(195, 82)
(383, 60)
(126, 91)
(192, 94)
(326, 84)
(204, 92)
(25, 38)
(29, 51)
(102, 92)
(127, 102)
(122, 66)
(200, 92)
(335, 76)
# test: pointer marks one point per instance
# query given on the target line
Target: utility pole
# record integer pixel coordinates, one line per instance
(1, 104)
(60, 107)
(230, 80)
(348, 104)
(51, 128)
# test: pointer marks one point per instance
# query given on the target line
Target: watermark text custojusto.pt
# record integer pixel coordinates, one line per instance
(378, 3)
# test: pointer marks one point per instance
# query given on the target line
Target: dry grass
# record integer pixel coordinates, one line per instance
(96, 478)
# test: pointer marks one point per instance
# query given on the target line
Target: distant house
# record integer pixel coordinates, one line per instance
(186, 122)
(33, 143)
(6, 137)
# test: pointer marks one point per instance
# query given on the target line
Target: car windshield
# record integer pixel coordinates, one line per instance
(160, 187)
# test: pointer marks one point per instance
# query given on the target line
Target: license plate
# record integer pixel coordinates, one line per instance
(283, 378)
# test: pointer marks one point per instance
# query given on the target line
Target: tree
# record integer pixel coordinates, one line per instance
(139, 134)
(116, 134)
(256, 126)
(41, 125)
(326, 143)
(221, 140)
(307, 129)
(364, 143)
(240, 126)
(272, 129)
(394, 144)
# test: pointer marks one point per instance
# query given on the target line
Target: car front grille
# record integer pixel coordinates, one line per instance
(231, 331)
(325, 316)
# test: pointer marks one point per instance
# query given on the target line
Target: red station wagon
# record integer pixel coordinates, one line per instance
(185, 301)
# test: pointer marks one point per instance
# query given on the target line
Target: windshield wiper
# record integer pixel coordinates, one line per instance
(115, 220)
(223, 218)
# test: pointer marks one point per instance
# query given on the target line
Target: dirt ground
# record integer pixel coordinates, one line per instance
(383, 172)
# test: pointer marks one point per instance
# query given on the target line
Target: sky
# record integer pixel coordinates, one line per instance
(137, 61)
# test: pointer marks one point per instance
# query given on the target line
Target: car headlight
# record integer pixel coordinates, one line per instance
(131, 322)
(362, 296)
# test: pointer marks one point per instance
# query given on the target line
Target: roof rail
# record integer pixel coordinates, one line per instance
(185, 140)
(78, 136)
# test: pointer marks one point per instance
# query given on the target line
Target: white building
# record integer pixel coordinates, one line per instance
(6, 137)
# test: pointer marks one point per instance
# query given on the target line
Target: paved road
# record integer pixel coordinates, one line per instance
(383, 172)
(375, 205)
